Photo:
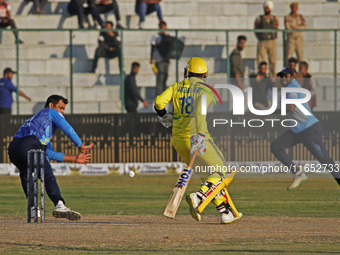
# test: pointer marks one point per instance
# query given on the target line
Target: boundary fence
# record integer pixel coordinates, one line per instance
(124, 138)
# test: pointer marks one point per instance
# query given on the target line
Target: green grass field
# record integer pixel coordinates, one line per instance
(115, 195)
(147, 195)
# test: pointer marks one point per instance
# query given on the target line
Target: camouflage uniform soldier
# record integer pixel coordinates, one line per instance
(267, 43)
(295, 39)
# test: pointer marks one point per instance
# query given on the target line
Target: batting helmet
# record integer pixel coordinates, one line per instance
(197, 65)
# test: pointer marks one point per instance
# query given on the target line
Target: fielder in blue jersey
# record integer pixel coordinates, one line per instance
(308, 131)
(36, 133)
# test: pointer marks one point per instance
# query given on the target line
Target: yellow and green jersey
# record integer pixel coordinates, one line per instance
(186, 97)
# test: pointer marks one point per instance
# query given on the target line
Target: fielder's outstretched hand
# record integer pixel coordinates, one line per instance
(83, 158)
(85, 148)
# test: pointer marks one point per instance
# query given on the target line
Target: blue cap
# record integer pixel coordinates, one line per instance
(285, 71)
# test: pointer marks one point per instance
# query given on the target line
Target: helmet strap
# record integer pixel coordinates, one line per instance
(204, 78)
(186, 73)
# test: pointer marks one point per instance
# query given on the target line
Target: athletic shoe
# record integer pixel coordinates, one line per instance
(193, 202)
(62, 211)
(33, 212)
(297, 180)
(227, 218)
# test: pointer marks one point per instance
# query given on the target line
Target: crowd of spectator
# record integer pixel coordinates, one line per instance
(109, 45)
(82, 8)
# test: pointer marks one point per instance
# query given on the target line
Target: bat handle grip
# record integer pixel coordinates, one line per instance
(193, 157)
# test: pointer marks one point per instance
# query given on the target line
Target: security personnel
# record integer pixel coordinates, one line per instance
(295, 39)
(190, 133)
(267, 43)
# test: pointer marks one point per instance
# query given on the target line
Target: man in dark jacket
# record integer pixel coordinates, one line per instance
(132, 94)
(109, 46)
(236, 62)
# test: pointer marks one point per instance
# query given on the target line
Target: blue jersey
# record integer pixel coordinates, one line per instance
(43, 126)
(303, 121)
(6, 89)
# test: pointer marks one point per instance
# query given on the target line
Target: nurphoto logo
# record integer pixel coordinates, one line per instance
(288, 97)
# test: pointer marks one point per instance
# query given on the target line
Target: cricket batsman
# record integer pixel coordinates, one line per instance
(190, 132)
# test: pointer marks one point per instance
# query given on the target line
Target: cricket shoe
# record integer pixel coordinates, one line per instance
(297, 180)
(62, 211)
(193, 202)
(33, 212)
(229, 217)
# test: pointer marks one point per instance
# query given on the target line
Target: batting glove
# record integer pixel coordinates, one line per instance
(166, 120)
(197, 142)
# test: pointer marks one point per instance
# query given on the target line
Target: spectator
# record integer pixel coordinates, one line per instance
(5, 18)
(132, 94)
(145, 7)
(292, 63)
(76, 7)
(36, 133)
(267, 40)
(109, 46)
(6, 89)
(295, 39)
(261, 86)
(158, 57)
(38, 6)
(307, 83)
(104, 6)
(236, 62)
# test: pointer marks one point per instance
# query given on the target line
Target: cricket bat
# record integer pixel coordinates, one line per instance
(179, 190)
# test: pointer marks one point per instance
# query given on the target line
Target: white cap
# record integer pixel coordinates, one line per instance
(270, 5)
